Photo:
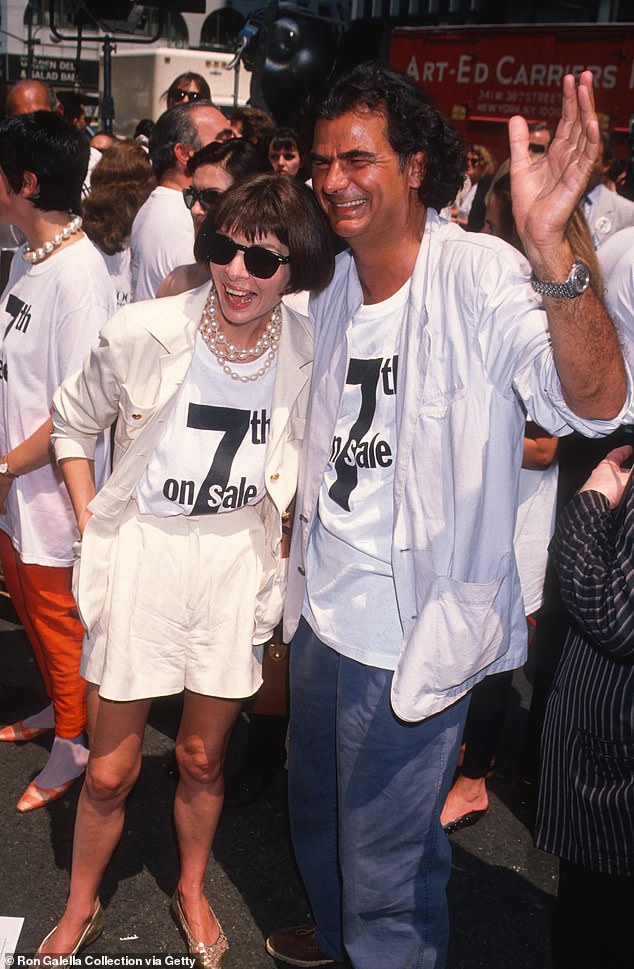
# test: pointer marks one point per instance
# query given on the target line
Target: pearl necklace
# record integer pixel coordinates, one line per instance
(225, 351)
(34, 256)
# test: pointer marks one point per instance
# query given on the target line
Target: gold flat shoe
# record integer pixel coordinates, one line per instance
(205, 956)
(92, 931)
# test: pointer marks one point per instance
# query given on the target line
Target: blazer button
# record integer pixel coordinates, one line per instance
(137, 417)
(274, 476)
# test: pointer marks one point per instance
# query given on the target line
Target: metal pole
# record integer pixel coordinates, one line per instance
(107, 104)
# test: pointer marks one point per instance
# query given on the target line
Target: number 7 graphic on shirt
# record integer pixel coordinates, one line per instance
(366, 373)
(235, 424)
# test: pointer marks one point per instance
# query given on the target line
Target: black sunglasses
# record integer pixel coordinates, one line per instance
(177, 94)
(260, 262)
(536, 148)
(204, 196)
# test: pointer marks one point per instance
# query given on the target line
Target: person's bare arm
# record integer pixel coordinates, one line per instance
(545, 193)
(79, 477)
(540, 448)
(34, 452)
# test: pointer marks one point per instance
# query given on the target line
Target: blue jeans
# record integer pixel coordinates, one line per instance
(365, 795)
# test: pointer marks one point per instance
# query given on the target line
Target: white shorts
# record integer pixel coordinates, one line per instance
(179, 610)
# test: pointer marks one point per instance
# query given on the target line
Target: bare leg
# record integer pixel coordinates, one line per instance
(116, 732)
(467, 794)
(200, 750)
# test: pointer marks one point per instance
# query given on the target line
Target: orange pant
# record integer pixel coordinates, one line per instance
(43, 600)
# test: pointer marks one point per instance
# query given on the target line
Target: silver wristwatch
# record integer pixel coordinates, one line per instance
(576, 284)
(4, 469)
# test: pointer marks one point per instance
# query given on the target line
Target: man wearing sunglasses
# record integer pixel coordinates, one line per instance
(162, 233)
(403, 588)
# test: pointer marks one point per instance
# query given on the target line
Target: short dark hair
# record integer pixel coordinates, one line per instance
(239, 157)
(187, 78)
(414, 123)
(45, 144)
(173, 127)
(285, 139)
(72, 104)
(284, 207)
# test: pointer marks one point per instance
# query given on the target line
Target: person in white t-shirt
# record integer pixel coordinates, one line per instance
(121, 183)
(57, 298)
(183, 565)
(162, 232)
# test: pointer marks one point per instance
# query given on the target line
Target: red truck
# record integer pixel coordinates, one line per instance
(481, 76)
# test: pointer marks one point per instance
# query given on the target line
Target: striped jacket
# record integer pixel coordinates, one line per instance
(586, 802)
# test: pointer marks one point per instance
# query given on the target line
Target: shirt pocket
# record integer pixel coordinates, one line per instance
(132, 418)
(437, 402)
(467, 622)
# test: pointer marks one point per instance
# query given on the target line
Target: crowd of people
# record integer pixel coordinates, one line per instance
(175, 310)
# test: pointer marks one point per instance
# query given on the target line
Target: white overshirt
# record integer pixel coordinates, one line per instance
(474, 344)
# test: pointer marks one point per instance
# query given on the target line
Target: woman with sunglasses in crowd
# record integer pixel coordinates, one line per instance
(182, 572)
(187, 87)
(213, 169)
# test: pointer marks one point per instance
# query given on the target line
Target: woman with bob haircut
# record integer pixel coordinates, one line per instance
(183, 567)
(120, 183)
(285, 156)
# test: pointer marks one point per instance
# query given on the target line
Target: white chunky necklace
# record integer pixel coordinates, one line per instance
(34, 256)
(224, 351)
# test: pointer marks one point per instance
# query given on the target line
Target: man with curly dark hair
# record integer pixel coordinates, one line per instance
(403, 588)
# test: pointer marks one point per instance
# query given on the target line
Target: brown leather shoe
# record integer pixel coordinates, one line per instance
(297, 946)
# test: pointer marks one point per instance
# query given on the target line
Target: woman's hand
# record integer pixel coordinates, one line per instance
(82, 520)
(610, 477)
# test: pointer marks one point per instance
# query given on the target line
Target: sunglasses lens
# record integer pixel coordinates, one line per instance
(536, 148)
(189, 197)
(220, 249)
(207, 197)
(260, 262)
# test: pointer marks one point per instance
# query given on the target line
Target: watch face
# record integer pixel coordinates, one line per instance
(579, 277)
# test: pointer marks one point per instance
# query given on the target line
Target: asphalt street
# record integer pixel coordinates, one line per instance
(501, 889)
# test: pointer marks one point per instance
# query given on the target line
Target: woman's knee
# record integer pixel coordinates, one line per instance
(199, 765)
(110, 782)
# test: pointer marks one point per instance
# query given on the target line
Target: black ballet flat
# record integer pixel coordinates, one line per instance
(464, 821)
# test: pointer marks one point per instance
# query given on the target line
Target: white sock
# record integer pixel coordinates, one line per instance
(45, 718)
(68, 759)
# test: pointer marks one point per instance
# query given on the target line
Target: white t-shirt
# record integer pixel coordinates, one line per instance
(52, 316)
(119, 270)
(211, 458)
(533, 531)
(162, 238)
(350, 597)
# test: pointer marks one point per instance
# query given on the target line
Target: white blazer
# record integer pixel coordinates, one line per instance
(133, 376)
